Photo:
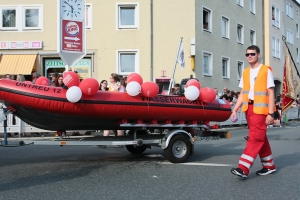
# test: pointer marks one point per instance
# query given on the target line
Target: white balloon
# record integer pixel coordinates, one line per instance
(191, 93)
(74, 94)
(133, 88)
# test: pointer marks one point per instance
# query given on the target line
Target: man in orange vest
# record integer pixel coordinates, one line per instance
(257, 101)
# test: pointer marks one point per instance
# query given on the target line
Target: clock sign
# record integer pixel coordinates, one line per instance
(72, 9)
(72, 45)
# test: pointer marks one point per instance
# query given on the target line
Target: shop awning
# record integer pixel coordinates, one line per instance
(17, 64)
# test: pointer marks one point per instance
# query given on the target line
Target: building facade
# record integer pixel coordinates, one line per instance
(121, 37)
(223, 32)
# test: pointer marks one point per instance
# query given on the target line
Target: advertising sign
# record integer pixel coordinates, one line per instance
(71, 31)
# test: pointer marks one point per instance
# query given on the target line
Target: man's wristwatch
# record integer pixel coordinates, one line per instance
(271, 114)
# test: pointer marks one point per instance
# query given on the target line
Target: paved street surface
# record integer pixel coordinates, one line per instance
(90, 172)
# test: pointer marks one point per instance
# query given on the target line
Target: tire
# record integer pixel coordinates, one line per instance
(179, 149)
(136, 149)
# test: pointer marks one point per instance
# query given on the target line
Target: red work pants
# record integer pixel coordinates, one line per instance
(257, 144)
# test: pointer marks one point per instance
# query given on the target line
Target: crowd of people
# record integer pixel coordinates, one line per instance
(228, 95)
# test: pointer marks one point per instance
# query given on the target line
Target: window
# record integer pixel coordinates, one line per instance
(225, 27)
(240, 68)
(128, 16)
(225, 67)
(289, 36)
(252, 6)
(206, 19)
(32, 16)
(275, 16)
(297, 30)
(297, 12)
(297, 51)
(127, 61)
(240, 2)
(252, 37)
(88, 16)
(289, 10)
(9, 18)
(21, 18)
(207, 64)
(240, 33)
(275, 47)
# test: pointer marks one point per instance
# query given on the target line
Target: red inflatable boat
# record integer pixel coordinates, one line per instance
(47, 108)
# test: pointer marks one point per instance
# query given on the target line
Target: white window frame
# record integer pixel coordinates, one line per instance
(254, 37)
(136, 15)
(18, 13)
(20, 17)
(210, 58)
(227, 67)
(289, 9)
(209, 18)
(297, 12)
(89, 13)
(252, 6)
(242, 69)
(242, 33)
(240, 3)
(40, 17)
(276, 14)
(128, 51)
(278, 48)
(275, 47)
(289, 36)
(226, 20)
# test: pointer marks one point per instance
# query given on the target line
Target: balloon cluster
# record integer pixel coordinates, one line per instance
(136, 86)
(88, 86)
(194, 91)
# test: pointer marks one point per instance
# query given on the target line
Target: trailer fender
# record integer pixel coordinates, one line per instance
(166, 139)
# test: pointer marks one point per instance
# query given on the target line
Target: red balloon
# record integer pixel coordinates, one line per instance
(70, 79)
(134, 77)
(193, 82)
(42, 80)
(207, 95)
(89, 86)
(27, 82)
(149, 89)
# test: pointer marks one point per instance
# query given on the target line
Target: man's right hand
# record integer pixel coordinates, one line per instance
(233, 117)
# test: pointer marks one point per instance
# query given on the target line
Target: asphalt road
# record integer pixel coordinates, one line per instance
(90, 172)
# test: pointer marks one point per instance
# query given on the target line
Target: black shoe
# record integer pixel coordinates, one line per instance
(246, 137)
(101, 146)
(265, 171)
(238, 172)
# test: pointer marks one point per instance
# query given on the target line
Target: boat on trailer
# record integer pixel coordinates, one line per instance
(174, 117)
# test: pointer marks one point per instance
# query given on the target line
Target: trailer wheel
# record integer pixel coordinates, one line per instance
(134, 149)
(179, 149)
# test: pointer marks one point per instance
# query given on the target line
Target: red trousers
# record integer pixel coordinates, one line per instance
(257, 144)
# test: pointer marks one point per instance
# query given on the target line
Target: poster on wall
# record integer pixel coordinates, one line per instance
(83, 67)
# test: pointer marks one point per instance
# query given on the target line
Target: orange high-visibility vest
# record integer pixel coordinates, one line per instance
(261, 98)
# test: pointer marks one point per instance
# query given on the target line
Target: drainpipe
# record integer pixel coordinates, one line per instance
(151, 40)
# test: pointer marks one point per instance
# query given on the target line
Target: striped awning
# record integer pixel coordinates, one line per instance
(17, 64)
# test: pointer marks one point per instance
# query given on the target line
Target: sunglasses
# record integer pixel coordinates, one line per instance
(248, 54)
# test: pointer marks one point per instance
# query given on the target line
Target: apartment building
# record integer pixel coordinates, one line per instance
(121, 36)
(223, 32)
(281, 20)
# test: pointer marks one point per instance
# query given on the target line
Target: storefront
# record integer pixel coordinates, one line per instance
(52, 65)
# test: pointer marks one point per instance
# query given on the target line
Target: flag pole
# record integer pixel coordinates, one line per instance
(174, 68)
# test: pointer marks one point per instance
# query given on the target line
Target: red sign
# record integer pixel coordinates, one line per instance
(72, 36)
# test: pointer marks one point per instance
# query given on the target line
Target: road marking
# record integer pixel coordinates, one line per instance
(199, 164)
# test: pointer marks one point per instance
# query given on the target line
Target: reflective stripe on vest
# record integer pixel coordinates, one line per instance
(261, 97)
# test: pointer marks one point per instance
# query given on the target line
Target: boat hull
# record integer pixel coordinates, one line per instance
(48, 108)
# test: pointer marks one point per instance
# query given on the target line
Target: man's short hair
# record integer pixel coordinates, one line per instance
(254, 47)
(177, 85)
